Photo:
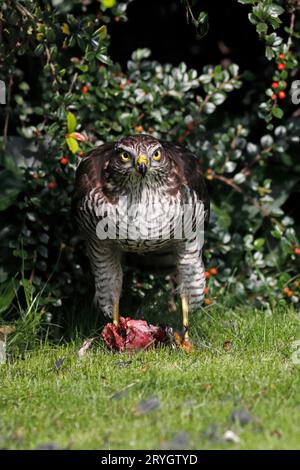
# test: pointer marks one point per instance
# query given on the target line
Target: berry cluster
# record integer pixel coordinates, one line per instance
(279, 83)
(294, 292)
(208, 274)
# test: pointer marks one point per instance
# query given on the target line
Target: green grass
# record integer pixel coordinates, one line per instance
(93, 402)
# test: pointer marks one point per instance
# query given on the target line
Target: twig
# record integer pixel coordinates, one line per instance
(48, 54)
(24, 10)
(253, 201)
(292, 27)
(6, 122)
(74, 78)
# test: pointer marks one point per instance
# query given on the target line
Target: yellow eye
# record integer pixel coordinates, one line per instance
(156, 155)
(124, 156)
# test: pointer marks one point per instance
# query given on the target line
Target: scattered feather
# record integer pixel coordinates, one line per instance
(230, 436)
(242, 417)
(48, 446)
(59, 363)
(123, 392)
(147, 406)
(86, 345)
(179, 442)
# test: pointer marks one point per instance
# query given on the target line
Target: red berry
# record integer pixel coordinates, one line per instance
(64, 161)
(282, 95)
(84, 89)
(281, 56)
(273, 97)
(190, 125)
(297, 251)
(117, 18)
(281, 66)
(207, 274)
(52, 185)
(286, 290)
(213, 271)
(206, 290)
(290, 293)
(274, 85)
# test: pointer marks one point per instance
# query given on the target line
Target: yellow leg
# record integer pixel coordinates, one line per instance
(116, 313)
(185, 317)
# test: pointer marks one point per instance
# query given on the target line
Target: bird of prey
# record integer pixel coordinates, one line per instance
(134, 196)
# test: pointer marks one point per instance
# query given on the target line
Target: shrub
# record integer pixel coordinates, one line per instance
(65, 96)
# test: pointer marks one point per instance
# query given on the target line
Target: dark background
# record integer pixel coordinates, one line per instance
(162, 26)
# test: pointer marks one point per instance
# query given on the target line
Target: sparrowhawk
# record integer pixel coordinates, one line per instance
(134, 196)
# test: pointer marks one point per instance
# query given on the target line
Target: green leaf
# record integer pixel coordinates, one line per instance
(262, 28)
(11, 187)
(72, 122)
(245, 2)
(277, 112)
(72, 144)
(101, 32)
(209, 108)
(39, 50)
(234, 69)
(275, 10)
(269, 53)
(218, 98)
(7, 295)
(104, 59)
(259, 243)
(203, 17)
(202, 24)
(205, 78)
(108, 3)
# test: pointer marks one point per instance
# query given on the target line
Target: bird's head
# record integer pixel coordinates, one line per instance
(139, 157)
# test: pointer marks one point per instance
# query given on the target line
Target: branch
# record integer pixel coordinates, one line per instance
(7, 112)
(253, 201)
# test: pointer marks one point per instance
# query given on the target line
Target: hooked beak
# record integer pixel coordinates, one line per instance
(142, 164)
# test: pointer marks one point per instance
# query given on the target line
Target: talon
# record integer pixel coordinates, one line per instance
(186, 345)
(183, 342)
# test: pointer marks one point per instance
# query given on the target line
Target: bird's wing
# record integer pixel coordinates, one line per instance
(90, 173)
(189, 167)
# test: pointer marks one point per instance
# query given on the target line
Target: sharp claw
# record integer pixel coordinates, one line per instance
(182, 342)
(186, 345)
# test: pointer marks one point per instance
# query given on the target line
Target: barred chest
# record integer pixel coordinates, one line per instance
(143, 219)
(147, 220)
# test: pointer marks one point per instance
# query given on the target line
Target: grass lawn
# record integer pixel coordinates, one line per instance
(241, 368)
